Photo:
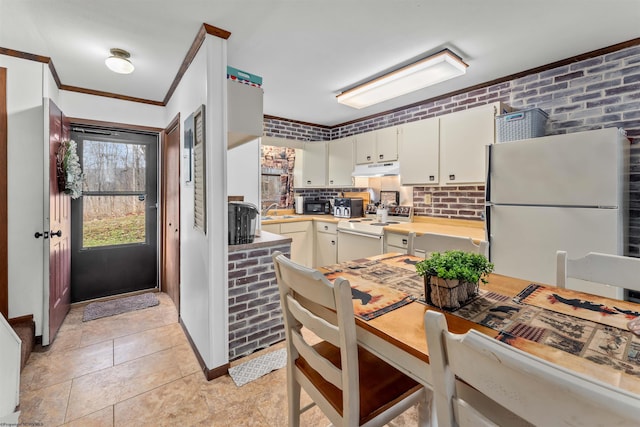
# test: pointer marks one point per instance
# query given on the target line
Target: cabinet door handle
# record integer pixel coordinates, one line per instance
(368, 157)
(333, 242)
(432, 178)
(330, 181)
(452, 177)
(308, 181)
(381, 156)
(57, 233)
(326, 227)
(404, 241)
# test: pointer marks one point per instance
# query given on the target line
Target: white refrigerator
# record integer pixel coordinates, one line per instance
(563, 192)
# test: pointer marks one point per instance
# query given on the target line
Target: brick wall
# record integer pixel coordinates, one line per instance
(326, 193)
(598, 92)
(255, 317)
(293, 130)
(450, 202)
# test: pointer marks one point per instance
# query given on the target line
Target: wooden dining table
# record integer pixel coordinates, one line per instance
(398, 336)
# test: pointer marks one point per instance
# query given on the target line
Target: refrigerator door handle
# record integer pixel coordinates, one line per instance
(487, 222)
(487, 187)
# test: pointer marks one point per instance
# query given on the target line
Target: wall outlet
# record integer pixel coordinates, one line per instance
(427, 199)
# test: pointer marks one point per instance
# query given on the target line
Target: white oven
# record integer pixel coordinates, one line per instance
(364, 237)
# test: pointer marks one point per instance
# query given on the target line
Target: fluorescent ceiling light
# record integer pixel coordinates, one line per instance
(119, 62)
(437, 68)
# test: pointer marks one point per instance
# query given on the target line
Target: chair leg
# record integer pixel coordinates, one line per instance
(293, 394)
(426, 414)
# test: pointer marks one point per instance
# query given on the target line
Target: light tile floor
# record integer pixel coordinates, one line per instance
(138, 369)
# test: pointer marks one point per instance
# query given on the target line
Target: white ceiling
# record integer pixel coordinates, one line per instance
(307, 51)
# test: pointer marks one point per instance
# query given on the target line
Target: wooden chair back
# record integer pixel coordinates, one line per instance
(300, 286)
(533, 389)
(432, 242)
(330, 371)
(613, 270)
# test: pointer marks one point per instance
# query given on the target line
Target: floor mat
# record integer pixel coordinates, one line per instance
(96, 310)
(256, 368)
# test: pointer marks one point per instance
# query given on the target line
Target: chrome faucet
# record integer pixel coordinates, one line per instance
(266, 210)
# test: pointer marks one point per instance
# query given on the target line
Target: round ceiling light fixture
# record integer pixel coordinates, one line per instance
(119, 62)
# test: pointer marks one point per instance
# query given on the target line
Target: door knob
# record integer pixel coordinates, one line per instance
(57, 233)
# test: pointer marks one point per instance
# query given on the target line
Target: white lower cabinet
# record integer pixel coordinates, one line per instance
(301, 234)
(396, 242)
(271, 228)
(326, 243)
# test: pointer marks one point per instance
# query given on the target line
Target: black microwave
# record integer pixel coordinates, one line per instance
(317, 207)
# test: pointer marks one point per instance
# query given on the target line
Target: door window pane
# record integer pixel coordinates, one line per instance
(111, 214)
(113, 220)
(113, 166)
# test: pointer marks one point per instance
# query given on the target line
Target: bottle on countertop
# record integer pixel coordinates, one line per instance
(381, 213)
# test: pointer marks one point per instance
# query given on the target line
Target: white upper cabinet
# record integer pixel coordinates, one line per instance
(314, 164)
(418, 151)
(377, 146)
(464, 136)
(340, 162)
(365, 148)
(244, 113)
(387, 144)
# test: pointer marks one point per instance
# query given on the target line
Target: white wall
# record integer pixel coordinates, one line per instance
(84, 106)
(10, 373)
(29, 85)
(203, 270)
(243, 171)
(25, 123)
(217, 220)
(204, 258)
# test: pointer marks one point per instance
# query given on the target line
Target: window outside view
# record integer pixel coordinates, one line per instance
(277, 165)
(113, 193)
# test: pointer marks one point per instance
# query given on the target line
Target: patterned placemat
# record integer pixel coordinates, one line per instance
(576, 334)
(578, 304)
(376, 287)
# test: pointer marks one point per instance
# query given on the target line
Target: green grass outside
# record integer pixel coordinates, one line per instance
(114, 231)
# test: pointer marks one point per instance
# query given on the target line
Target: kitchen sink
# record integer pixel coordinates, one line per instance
(275, 217)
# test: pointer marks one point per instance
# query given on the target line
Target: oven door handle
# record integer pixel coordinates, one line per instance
(355, 233)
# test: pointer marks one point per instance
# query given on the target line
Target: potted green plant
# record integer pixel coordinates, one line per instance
(451, 278)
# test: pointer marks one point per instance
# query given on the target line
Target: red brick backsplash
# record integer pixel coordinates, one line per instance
(465, 202)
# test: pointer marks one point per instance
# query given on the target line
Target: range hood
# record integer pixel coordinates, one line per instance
(377, 169)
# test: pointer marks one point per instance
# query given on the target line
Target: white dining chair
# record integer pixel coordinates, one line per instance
(536, 391)
(613, 270)
(432, 242)
(350, 385)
